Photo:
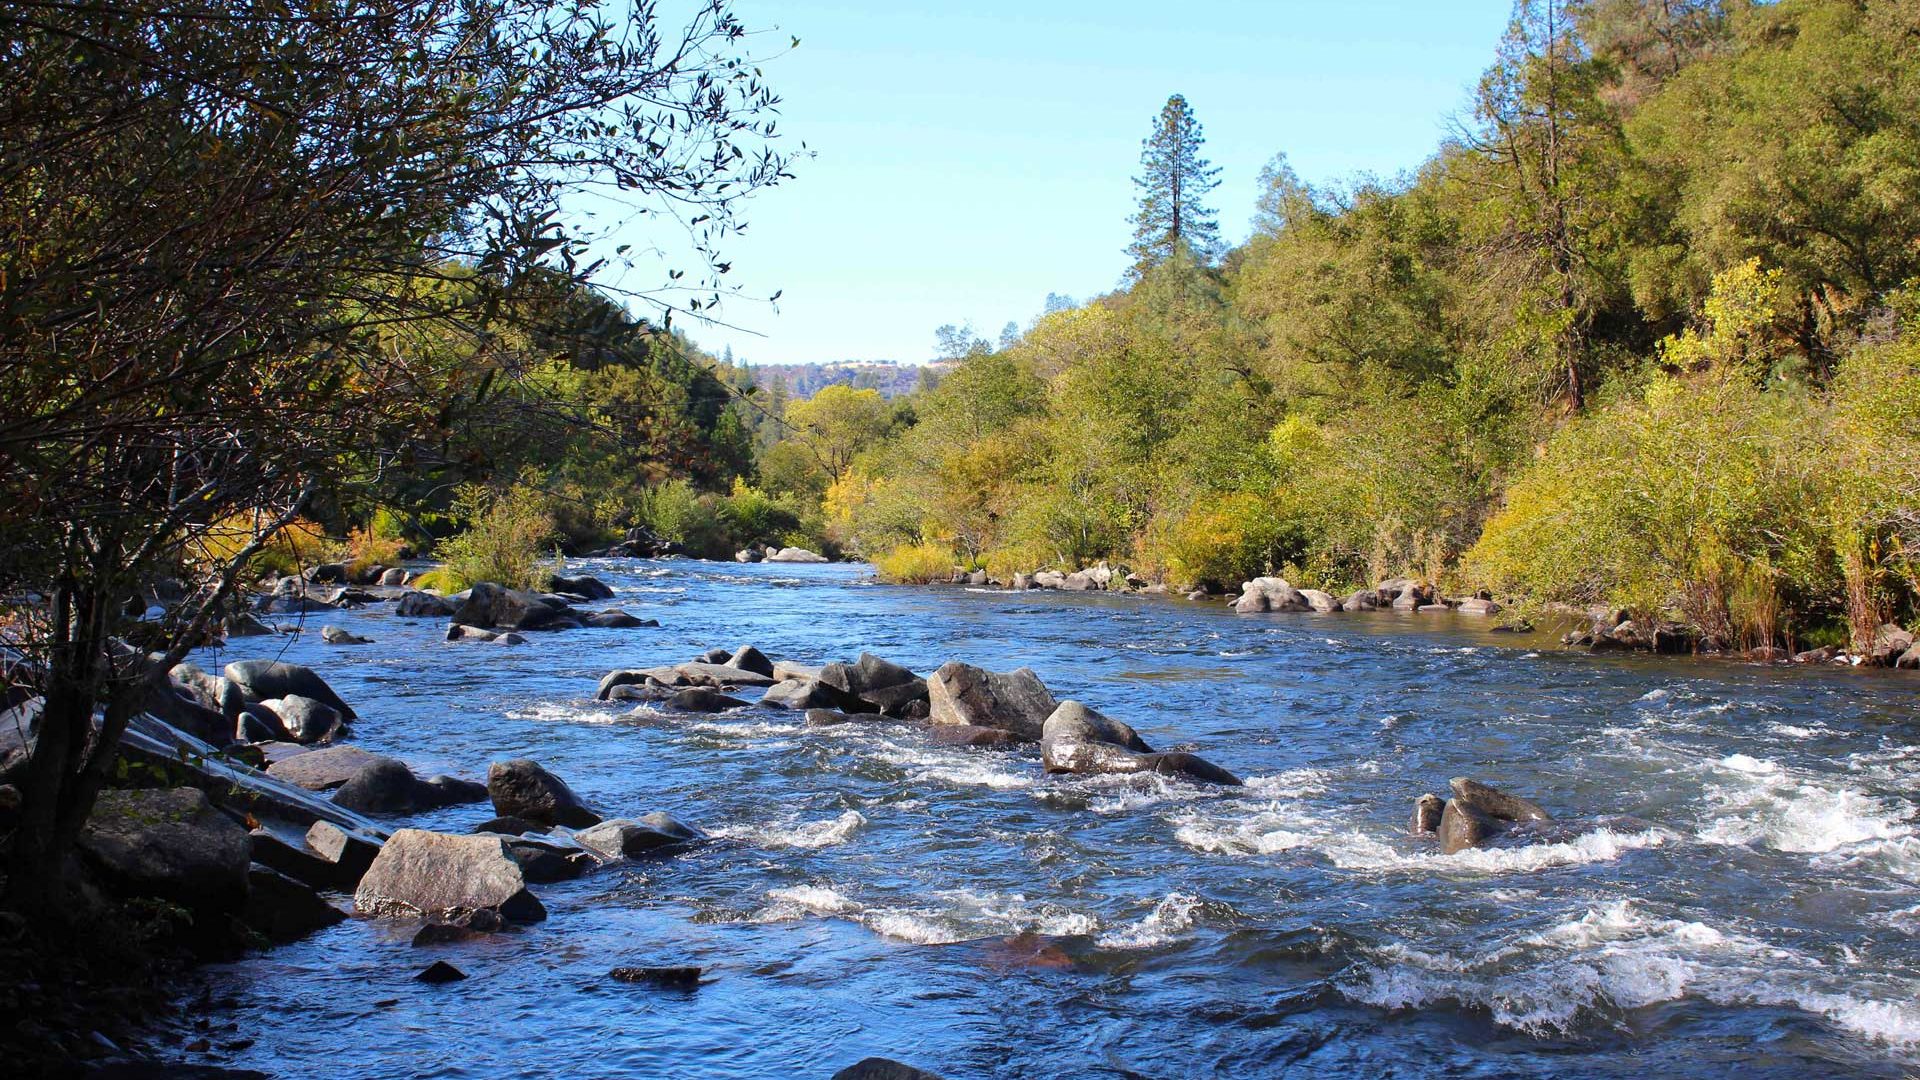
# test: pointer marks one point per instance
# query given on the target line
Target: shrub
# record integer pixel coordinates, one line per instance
(915, 564)
(301, 544)
(1223, 540)
(366, 548)
(507, 532)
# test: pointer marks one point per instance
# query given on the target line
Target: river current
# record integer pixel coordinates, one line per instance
(869, 893)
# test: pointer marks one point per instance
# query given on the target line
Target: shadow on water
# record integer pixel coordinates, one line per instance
(874, 894)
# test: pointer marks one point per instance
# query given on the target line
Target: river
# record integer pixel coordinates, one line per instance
(869, 893)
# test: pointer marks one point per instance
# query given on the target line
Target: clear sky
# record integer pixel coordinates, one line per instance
(971, 158)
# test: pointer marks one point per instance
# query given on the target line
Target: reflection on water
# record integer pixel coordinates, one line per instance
(1749, 908)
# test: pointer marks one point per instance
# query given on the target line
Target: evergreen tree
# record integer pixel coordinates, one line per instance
(1174, 179)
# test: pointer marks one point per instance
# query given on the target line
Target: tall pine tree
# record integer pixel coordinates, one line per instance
(1173, 180)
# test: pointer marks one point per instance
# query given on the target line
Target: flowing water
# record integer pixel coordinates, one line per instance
(870, 893)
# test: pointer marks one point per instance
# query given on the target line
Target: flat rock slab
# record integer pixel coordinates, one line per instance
(323, 769)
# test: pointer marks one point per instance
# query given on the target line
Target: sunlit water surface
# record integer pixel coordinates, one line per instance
(870, 893)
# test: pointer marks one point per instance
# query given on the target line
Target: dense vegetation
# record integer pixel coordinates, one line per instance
(1645, 331)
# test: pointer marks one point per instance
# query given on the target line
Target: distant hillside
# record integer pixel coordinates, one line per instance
(891, 378)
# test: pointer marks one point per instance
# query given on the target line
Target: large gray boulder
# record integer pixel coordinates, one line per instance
(304, 719)
(385, 786)
(796, 555)
(264, 680)
(664, 676)
(323, 769)
(882, 685)
(1269, 594)
(417, 604)
(170, 844)
(445, 876)
(700, 699)
(215, 692)
(1361, 600)
(521, 788)
(748, 658)
(493, 607)
(805, 694)
(1477, 813)
(1074, 722)
(1017, 702)
(1319, 601)
(592, 588)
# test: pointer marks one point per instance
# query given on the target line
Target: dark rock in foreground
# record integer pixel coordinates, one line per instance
(170, 844)
(440, 972)
(657, 976)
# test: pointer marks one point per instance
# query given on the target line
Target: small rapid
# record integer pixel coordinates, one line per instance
(1734, 893)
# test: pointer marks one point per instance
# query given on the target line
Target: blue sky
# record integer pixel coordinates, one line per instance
(972, 158)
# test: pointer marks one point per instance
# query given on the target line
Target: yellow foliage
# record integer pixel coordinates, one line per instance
(915, 564)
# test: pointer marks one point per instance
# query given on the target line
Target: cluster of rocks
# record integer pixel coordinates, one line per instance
(1096, 578)
(768, 553)
(487, 612)
(962, 705)
(1474, 815)
(1394, 594)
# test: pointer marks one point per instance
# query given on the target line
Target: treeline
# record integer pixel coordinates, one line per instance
(1645, 331)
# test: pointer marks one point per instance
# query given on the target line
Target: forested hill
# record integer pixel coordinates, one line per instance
(802, 381)
(1645, 332)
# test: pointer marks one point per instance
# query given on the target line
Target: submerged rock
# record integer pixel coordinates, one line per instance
(658, 976)
(879, 1068)
(702, 700)
(440, 972)
(653, 833)
(442, 875)
(333, 635)
(1017, 702)
(521, 788)
(615, 619)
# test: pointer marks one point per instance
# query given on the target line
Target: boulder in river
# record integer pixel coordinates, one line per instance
(748, 658)
(796, 555)
(1477, 605)
(323, 769)
(879, 1068)
(1074, 722)
(882, 685)
(590, 588)
(263, 680)
(385, 786)
(393, 577)
(632, 677)
(1427, 810)
(615, 619)
(1319, 601)
(1361, 600)
(748, 555)
(1016, 702)
(699, 699)
(1270, 594)
(458, 632)
(652, 834)
(417, 604)
(305, 720)
(443, 875)
(522, 789)
(333, 635)
(805, 694)
(493, 607)
(1478, 812)
(170, 844)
